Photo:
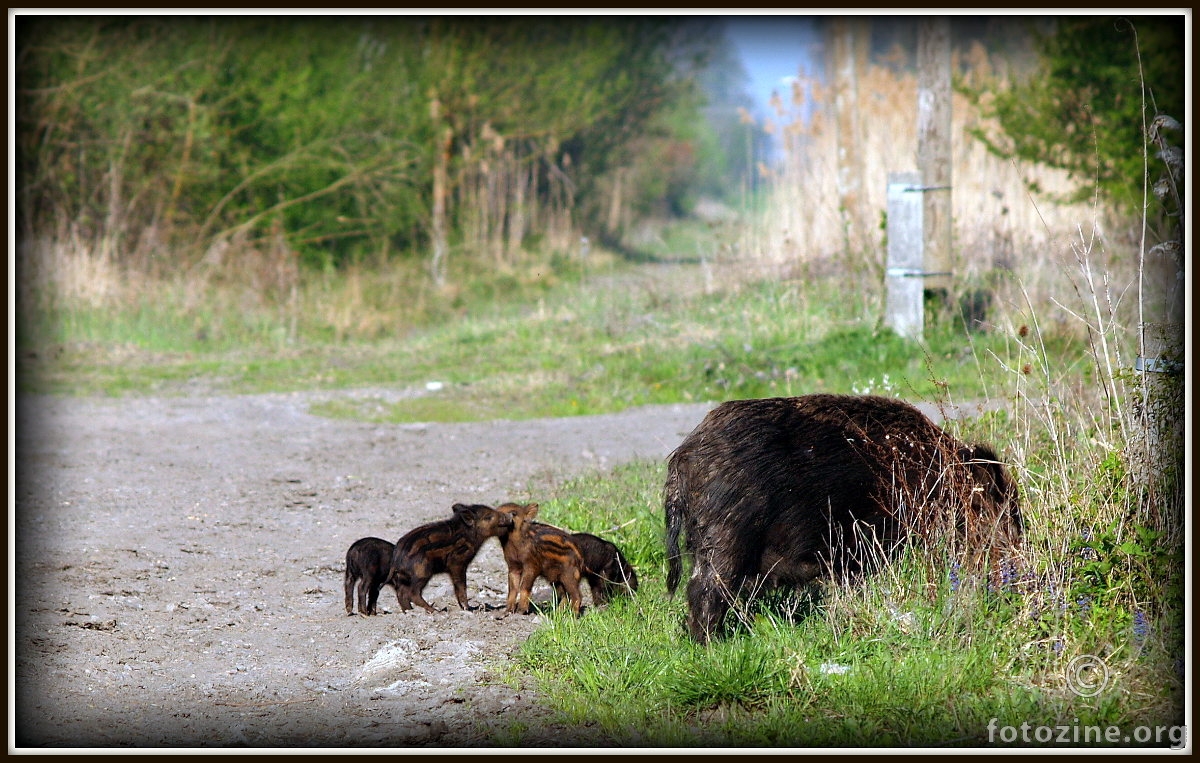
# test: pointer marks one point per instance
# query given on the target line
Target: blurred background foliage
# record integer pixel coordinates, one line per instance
(162, 140)
(171, 134)
(1087, 112)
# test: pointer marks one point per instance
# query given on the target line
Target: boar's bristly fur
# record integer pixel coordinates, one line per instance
(781, 491)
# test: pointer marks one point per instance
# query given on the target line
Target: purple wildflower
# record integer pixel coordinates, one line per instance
(1141, 628)
(1008, 574)
(1088, 552)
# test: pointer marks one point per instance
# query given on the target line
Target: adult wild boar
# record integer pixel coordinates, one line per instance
(781, 491)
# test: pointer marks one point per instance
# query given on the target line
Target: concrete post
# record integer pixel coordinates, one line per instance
(905, 266)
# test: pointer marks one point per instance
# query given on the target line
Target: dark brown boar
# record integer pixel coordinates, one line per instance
(605, 568)
(368, 564)
(782, 491)
(533, 549)
(446, 546)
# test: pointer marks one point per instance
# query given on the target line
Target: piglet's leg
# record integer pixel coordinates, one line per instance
(414, 592)
(528, 575)
(404, 597)
(349, 585)
(514, 586)
(459, 579)
(373, 596)
(570, 582)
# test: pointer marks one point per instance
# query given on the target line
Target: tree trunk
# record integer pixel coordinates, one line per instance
(933, 150)
(441, 164)
(851, 37)
(516, 222)
(615, 201)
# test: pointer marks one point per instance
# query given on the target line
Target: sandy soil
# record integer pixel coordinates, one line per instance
(178, 572)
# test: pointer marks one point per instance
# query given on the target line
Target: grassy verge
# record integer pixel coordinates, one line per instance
(593, 343)
(911, 657)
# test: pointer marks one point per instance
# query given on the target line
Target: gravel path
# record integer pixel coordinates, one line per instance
(178, 571)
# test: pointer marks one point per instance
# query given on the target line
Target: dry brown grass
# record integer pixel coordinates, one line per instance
(233, 284)
(1006, 218)
(51, 273)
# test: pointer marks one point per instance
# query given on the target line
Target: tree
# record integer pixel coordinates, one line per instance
(1100, 83)
(201, 128)
(332, 132)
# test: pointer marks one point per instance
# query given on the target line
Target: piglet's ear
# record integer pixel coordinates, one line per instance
(531, 510)
(464, 510)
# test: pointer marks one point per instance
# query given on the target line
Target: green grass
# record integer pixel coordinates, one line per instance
(603, 344)
(909, 657)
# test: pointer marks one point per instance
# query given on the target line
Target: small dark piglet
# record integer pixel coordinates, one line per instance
(368, 563)
(604, 567)
(532, 550)
(446, 546)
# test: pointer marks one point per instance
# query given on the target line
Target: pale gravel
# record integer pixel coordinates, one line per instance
(178, 572)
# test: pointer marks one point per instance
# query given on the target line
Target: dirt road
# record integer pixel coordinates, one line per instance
(178, 572)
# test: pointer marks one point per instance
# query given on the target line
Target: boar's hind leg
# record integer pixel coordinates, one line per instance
(571, 583)
(707, 610)
(528, 576)
(372, 595)
(403, 595)
(459, 579)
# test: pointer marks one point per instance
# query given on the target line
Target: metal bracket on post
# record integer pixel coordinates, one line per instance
(914, 273)
(1158, 366)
